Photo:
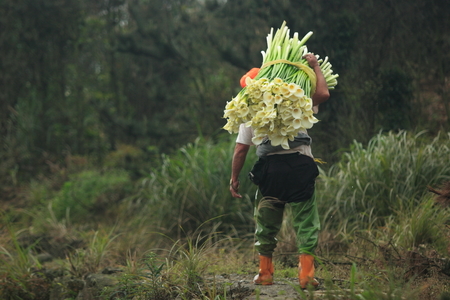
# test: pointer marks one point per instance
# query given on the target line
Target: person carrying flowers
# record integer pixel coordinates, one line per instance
(274, 110)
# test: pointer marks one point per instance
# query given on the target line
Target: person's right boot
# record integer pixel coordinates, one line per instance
(265, 276)
(306, 271)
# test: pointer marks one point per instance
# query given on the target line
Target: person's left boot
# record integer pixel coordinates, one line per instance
(306, 271)
(265, 275)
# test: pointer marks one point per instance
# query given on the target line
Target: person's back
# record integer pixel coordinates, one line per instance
(289, 179)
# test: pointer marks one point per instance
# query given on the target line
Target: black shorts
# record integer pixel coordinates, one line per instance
(289, 177)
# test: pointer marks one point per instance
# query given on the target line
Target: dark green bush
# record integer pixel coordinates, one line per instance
(90, 193)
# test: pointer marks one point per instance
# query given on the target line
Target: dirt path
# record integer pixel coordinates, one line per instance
(242, 287)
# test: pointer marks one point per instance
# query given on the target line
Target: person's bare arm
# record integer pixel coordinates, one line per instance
(240, 153)
(322, 94)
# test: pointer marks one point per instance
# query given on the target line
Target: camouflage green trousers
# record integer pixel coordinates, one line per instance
(269, 215)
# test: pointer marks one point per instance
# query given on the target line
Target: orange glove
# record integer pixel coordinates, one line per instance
(252, 74)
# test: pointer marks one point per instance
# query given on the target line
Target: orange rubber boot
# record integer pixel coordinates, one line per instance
(306, 271)
(265, 276)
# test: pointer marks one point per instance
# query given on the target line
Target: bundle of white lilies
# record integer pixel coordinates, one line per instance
(277, 102)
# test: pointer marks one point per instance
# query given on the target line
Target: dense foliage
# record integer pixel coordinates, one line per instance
(87, 78)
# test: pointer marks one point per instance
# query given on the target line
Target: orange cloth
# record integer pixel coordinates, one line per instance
(252, 74)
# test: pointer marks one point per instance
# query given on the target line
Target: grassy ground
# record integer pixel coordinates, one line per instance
(175, 233)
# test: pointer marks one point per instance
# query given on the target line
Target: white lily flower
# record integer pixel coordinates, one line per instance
(286, 116)
(269, 115)
(262, 105)
(257, 140)
(297, 123)
(228, 127)
(312, 119)
(268, 98)
(276, 139)
(292, 88)
(286, 103)
(276, 89)
(297, 112)
(293, 98)
(256, 94)
(278, 99)
(278, 81)
(228, 113)
(242, 110)
(299, 92)
(305, 123)
(308, 104)
(280, 140)
(271, 126)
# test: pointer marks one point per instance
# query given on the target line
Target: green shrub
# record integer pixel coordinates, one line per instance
(390, 174)
(192, 187)
(90, 192)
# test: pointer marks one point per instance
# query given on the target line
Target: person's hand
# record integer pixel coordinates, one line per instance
(234, 189)
(311, 59)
